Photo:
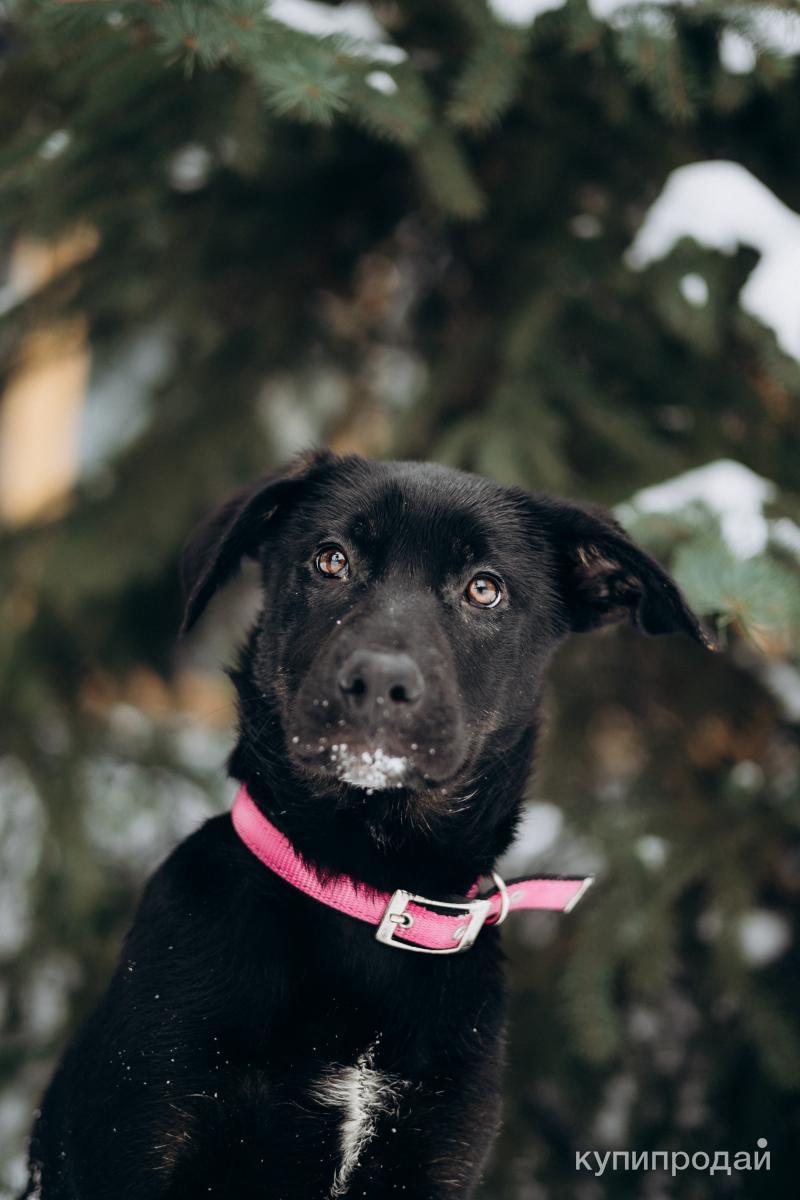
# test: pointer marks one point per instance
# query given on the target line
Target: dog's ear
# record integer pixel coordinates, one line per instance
(604, 577)
(235, 531)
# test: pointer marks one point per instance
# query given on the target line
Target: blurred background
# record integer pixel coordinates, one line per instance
(557, 243)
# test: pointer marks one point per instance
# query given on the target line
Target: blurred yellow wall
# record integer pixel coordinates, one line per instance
(40, 411)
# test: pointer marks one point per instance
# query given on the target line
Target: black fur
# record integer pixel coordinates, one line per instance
(238, 1000)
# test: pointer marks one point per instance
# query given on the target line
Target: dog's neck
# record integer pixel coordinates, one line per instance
(437, 846)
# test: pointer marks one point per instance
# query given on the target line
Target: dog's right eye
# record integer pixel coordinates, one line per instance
(332, 562)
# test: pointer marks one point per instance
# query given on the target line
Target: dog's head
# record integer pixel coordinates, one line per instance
(409, 611)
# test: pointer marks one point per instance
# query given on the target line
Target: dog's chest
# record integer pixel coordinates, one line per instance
(362, 1100)
(316, 1120)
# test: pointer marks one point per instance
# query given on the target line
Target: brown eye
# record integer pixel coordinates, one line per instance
(484, 591)
(332, 561)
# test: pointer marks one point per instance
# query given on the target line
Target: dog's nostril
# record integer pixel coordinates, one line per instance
(353, 686)
(399, 694)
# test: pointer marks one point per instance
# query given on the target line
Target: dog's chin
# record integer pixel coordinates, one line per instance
(369, 766)
(371, 770)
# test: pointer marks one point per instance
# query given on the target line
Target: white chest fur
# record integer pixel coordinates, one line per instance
(361, 1094)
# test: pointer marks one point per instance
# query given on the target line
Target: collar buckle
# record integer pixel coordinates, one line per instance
(396, 916)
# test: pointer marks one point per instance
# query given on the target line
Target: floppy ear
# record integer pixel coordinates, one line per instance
(235, 531)
(605, 577)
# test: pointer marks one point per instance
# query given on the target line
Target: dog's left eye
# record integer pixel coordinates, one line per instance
(332, 561)
(484, 591)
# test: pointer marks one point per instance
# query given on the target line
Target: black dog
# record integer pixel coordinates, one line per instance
(253, 1041)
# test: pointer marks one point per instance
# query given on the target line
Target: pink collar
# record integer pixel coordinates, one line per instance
(403, 920)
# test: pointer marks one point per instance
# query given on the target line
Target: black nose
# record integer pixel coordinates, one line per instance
(380, 684)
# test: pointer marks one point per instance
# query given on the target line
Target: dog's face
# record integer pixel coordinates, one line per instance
(409, 610)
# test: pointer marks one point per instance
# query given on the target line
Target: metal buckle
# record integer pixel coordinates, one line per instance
(396, 917)
(505, 899)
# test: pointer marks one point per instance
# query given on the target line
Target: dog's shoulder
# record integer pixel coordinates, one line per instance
(204, 915)
(206, 882)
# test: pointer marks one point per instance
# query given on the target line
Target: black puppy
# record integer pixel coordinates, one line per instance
(255, 1041)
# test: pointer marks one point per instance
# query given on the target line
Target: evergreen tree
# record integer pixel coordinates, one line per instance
(406, 229)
